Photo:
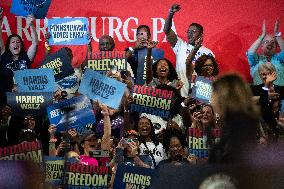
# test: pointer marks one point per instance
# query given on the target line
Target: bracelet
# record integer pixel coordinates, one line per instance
(260, 38)
(277, 34)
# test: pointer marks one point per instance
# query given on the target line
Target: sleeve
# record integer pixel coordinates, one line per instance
(178, 45)
(280, 57)
(252, 59)
(119, 155)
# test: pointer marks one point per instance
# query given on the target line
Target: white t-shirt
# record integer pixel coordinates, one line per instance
(182, 50)
(158, 151)
(159, 123)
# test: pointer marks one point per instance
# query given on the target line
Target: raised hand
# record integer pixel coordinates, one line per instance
(175, 8)
(276, 27)
(198, 42)
(179, 84)
(151, 44)
(30, 20)
(263, 29)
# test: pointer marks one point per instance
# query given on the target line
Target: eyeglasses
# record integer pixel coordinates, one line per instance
(267, 41)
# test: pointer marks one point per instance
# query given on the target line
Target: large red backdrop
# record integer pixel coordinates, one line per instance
(230, 26)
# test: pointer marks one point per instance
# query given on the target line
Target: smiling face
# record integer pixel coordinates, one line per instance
(144, 127)
(90, 143)
(162, 69)
(207, 116)
(268, 45)
(207, 68)
(15, 46)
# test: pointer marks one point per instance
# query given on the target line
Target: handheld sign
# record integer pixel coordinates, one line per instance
(54, 169)
(107, 60)
(133, 177)
(26, 103)
(35, 80)
(38, 8)
(141, 68)
(76, 112)
(87, 176)
(68, 31)
(151, 100)
(28, 151)
(198, 141)
(99, 87)
(202, 89)
(60, 62)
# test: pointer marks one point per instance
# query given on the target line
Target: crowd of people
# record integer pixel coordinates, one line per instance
(240, 118)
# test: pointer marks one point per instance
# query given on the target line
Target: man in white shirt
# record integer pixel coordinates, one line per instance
(182, 48)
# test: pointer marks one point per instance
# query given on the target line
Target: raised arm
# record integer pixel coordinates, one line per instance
(277, 35)
(46, 44)
(2, 48)
(33, 48)
(190, 58)
(253, 48)
(107, 128)
(149, 72)
(171, 35)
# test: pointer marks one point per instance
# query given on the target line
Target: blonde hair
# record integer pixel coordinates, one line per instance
(267, 66)
(233, 95)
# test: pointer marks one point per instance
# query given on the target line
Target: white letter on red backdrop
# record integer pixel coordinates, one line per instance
(21, 29)
(125, 29)
(113, 30)
(7, 27)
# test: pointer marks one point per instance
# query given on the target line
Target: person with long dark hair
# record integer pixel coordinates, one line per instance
(14, 56)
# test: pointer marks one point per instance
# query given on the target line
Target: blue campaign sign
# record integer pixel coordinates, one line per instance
(60, 62)
(35, 80)
(26, 103)
(141, 68)
(202, 89)
(54, 169)
(104, 89)
(38, 8)
(76, 112)
(126, 177)
(68, 31)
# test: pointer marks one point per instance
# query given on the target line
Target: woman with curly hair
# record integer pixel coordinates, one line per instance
(206, 66)
(161, 72)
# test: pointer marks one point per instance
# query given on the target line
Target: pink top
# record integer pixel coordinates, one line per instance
(87, 160)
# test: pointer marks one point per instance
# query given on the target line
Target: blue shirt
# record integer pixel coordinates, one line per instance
(277, 60)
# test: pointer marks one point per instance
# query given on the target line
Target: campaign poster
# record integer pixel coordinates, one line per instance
(38, 8)
(202, 89)
(60, 62)
(54, 169)
(35, 80)
(79, 175)
(102, 88)
(151, 100)
(26, 151)
(133, 177)
(141, 68)
(68, 31)
(198, 141)
(76, 112)
(25, 103)
(107, 60)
